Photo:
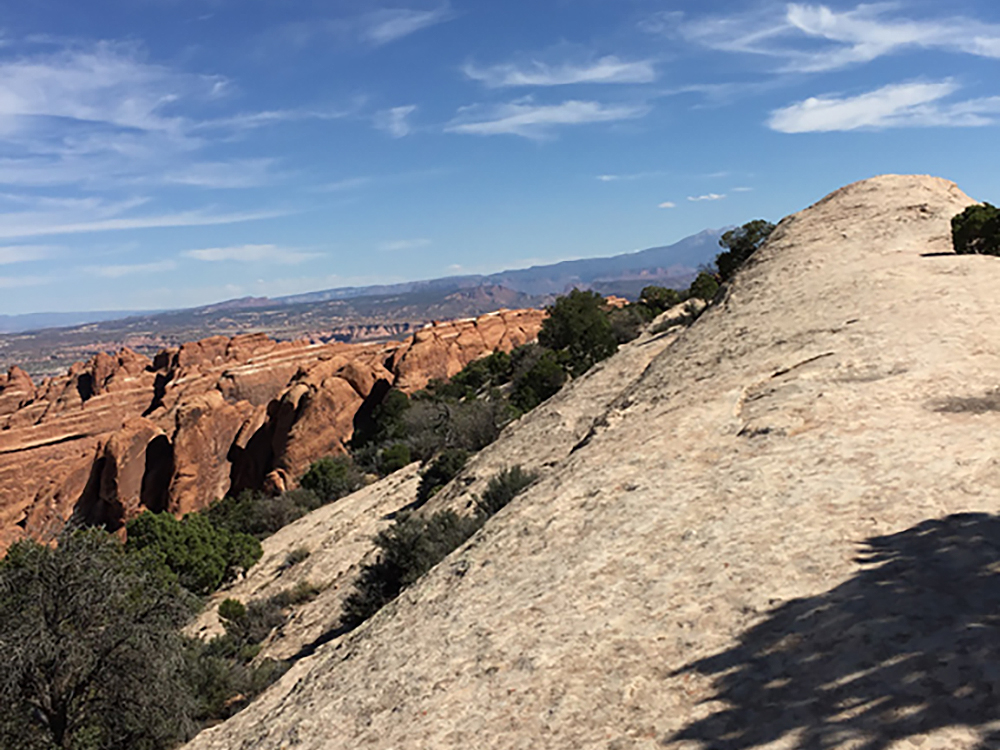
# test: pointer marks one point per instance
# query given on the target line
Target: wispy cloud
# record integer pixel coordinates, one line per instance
(742, 190)
(537, 121)
(707, 197)
(363, 181)
(667, 204)
(894, 106)
(134, 269)
(251, 254)
(396, 245)
(241, 173)
(389, 24)
(14, 282)
(41, 223)
(103, 116)
(395, 121)
(105, 84)
(348, 183)
(25, 253)
(609, 69)
(629, 177)
(815, 38)
(662, 22)
(254, 120)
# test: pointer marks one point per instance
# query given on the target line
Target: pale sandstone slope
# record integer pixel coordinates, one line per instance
(339, 537)
(690, 576)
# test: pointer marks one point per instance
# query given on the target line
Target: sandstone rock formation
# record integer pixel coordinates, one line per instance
(755, 544)
(121, 433)
(339, 536)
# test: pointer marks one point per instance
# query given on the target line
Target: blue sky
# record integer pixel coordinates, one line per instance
(167, 153)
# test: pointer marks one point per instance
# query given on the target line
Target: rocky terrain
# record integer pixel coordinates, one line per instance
(359, 319)
(776, 528)
(339, 536)
(122, 433)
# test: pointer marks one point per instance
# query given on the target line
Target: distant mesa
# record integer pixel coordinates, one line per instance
(243, 303)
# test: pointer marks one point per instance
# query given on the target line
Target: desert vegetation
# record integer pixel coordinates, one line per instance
(977, 230)
(92, 656)
(90, 644)
(415, 543)
(199, 553)
(466, 413)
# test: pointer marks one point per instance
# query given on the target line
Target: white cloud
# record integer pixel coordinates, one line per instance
(348, 183)
(241, 173)
(395, 121)
(662, 22)
(814, 38)
(103, 116)
(529, 120)
(400, 178)
(119, 271)
(74, 221)
(668, 204)
(894, 106)
(708, 197)
(251, 254)
(389, 24)
(25, 253)
(609, 69)
(396, 245)
(254, 120)
(629, 177)
(107, 84)
(742, 190)
(13, 282)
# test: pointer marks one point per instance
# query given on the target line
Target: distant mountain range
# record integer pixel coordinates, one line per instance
(624, 274)
(37, 321)
(47, 343)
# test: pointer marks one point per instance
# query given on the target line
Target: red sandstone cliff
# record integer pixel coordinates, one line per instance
(122, 433)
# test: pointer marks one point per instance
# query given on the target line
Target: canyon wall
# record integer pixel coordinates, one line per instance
(123, 433)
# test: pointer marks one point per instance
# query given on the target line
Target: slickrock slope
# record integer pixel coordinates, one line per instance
(339, 536)
(122, 433)
(755, 546)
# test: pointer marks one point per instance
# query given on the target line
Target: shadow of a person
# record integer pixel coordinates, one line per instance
(909, 645)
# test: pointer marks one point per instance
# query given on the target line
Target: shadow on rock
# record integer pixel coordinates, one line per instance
(911, 644)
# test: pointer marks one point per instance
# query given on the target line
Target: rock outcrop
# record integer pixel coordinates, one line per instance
(121, 433)
(780, 533)
(339, 536)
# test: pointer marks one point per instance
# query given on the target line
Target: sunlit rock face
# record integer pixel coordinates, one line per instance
(121, 433)
(780, 530)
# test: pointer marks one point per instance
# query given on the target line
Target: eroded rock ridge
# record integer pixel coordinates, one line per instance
(121, 433)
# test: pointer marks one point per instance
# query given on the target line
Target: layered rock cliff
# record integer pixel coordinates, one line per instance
(121, 433)
(780, 532)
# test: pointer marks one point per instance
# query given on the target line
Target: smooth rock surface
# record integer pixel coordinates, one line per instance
(782, 533)
(339, 536)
